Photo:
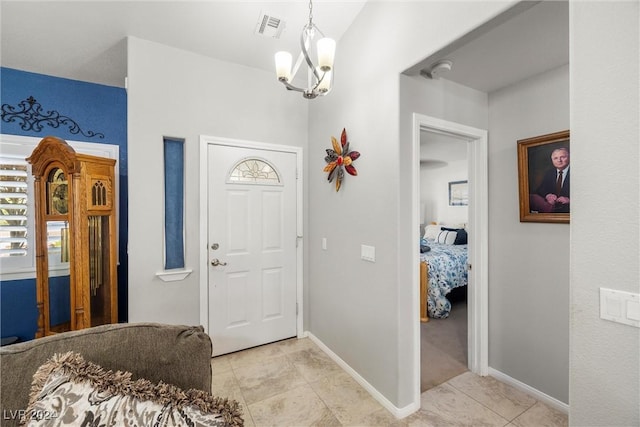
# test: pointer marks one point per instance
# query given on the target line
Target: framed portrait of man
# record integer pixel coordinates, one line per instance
(544, 178)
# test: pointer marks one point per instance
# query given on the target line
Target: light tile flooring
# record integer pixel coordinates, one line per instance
(294, 383)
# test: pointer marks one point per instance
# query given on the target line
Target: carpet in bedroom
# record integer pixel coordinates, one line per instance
(443, 347)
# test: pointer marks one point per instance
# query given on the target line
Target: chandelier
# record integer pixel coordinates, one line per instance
(320, 77)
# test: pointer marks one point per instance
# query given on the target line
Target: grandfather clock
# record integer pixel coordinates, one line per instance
(75, 238)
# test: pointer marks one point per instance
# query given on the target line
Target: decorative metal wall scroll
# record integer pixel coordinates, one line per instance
(340, 159)
(29, 115)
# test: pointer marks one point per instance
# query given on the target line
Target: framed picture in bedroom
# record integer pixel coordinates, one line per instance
(458, 193)
(544, 178)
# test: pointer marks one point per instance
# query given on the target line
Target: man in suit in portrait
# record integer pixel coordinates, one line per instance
(552, 195)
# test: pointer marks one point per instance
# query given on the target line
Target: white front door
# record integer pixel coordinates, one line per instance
(251, 245)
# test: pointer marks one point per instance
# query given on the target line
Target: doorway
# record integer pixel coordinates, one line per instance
(250, 283)
(444, 167)
(477, 294)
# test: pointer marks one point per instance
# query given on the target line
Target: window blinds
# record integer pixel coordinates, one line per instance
(13, 206)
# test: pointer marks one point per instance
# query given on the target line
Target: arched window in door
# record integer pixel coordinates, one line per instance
(254, 171)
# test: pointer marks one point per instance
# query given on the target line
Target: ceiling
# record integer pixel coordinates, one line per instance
(529, 39)
(438, 150)
(85, 40)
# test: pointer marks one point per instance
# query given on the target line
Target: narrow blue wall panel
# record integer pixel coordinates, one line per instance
(173, 203)
(98, 108)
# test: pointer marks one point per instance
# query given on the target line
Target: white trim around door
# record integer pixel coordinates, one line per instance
(478, 318)
(205, 141)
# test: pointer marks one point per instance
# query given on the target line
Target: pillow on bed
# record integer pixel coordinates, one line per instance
(431, 231)
(453, 226)
(447, 237)
(461, 235)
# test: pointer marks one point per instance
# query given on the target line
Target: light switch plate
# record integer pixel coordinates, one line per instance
(619, 306)
(368, 253)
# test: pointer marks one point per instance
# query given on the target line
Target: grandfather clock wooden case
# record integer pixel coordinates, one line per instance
(75, 238)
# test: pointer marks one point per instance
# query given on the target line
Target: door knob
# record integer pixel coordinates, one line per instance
(216, 262)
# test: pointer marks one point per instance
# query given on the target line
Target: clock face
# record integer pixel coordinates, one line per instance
(58, 193)
(59, 199)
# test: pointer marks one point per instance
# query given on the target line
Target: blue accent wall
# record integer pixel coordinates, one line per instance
(97, 108)
(18, 314)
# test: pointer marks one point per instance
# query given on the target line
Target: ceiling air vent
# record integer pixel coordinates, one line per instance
(269, 26)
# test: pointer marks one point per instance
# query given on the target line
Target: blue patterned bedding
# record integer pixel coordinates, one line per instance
(447, 270)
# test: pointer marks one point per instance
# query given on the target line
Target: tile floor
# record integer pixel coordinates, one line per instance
(294, 383)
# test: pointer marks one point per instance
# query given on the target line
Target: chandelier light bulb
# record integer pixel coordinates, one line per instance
(283, 65)
(326, 53)
(325, 83)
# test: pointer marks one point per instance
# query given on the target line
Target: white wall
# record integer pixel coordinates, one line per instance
(605, 122)
(181, 94)
(434, 192)
(362, 310)
(528, 262)
(357, 308)
(448, 101)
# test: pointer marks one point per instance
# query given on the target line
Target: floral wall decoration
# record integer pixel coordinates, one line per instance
(340, 159)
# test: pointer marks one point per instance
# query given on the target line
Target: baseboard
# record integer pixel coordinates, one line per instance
(397, 412)
(542, 397)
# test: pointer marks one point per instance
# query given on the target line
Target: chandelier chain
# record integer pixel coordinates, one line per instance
(310, 11)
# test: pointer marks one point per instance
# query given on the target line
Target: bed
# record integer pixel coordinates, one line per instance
(442, 269)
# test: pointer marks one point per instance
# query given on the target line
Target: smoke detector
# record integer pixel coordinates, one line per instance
(269, 26)
(438, 69)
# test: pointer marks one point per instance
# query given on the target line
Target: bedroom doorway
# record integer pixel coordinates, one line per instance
(477, 228)
(444, 174)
